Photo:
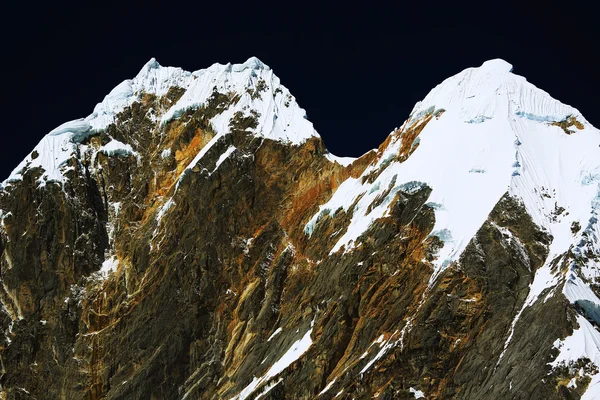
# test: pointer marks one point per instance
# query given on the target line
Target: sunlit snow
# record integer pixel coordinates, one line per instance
(510, 151)
(279, 115)
(296, 350)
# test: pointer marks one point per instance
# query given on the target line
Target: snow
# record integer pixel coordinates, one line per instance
(518, 155)
(198, 157)
(379, 341)
(543, 279)
(268, 389)
(58, 146)
(576, 290)
(584, 342)
(339, 200)
(494, 136)
(280, 117)
(384, 347)
(593, 390)
(223, 157)
(248, 245)
(277, 331)
(116, 206)
(164, 209)
(417, 393)
(296, 350)
(329, 385)
(109, 266)
(496, 65)
(53, 152)
(516, 242)
(343, 161)
(166, 153)
(114, 147)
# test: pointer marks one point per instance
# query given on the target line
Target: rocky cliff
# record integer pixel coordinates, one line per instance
(193, 239)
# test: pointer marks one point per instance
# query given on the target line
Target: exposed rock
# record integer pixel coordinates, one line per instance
(194, 257)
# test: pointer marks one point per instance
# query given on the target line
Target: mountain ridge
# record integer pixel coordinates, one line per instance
(284, 271)
(154, 78)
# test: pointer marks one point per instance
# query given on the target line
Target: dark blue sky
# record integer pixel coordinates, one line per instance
(356, 71)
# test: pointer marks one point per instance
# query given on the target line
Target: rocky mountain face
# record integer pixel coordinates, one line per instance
(193, 239)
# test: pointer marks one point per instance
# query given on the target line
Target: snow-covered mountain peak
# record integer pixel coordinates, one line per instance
(251, 63)
(476, 136)
(258, 93)
(476, 95)
(156, 79)
(151, 64)
(497, 65)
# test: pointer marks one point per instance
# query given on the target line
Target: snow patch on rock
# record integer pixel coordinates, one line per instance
(296, 350)
(114, 147)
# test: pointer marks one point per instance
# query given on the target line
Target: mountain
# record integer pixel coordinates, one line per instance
(194, 239)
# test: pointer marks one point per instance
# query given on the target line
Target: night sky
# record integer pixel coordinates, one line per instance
(357, 71)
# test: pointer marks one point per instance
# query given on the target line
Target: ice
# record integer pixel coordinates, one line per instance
(51, 154)
(78, 127)
(448, 149)
(576, 290)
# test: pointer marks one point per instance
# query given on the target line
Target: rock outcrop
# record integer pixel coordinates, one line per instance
(194, 239)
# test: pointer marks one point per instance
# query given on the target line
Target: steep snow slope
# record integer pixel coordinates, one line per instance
(492, 133)
(279, 116)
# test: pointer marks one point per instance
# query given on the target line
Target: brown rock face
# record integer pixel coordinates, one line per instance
(155, 274)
